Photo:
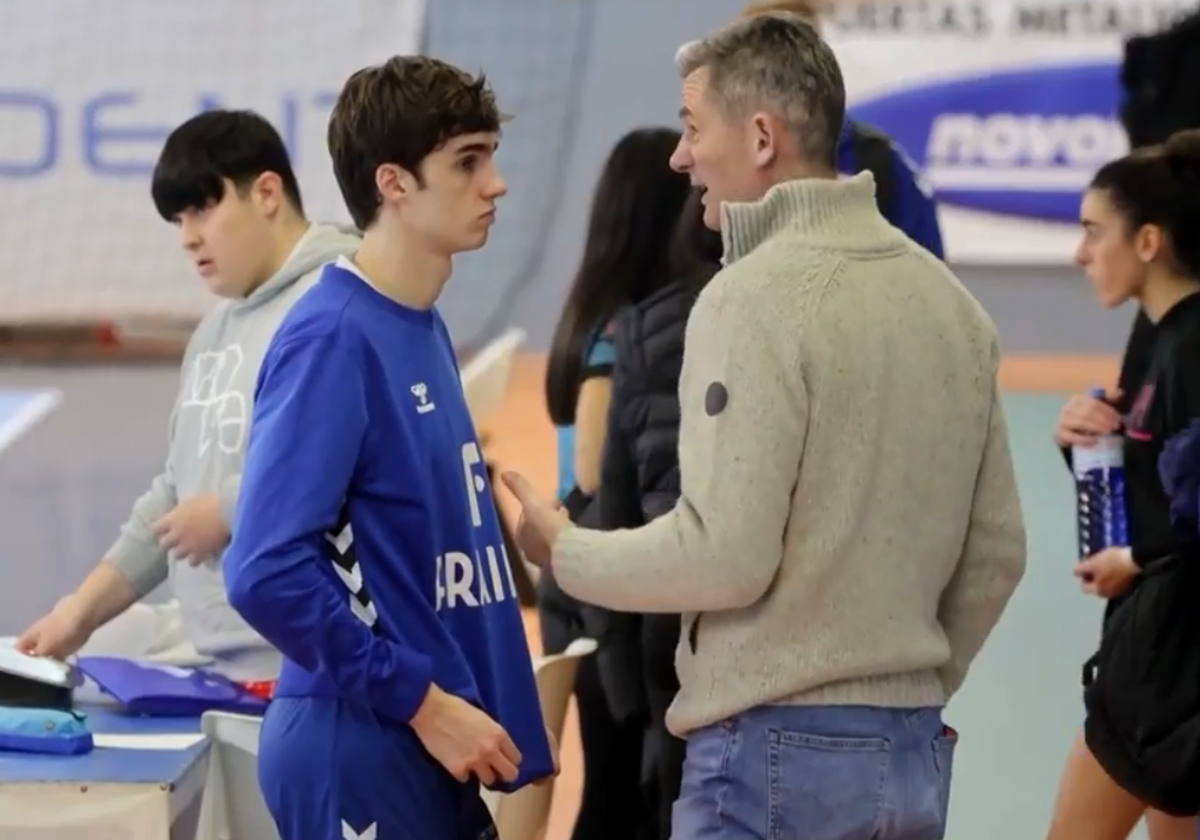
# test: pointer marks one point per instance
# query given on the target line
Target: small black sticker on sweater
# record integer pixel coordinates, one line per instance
(715, 399)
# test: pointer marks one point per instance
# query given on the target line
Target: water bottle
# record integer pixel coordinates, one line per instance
(1103, 519)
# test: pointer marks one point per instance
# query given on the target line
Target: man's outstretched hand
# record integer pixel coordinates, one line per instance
(542, 520)
(465, 740)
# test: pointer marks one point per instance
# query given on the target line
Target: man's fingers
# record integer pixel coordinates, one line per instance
(28, 643)
(508, 749)
(519, 486)
(483, 772)
(504, 768)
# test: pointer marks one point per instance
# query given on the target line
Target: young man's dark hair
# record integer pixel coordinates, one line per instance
(214, 147)
(399, 112)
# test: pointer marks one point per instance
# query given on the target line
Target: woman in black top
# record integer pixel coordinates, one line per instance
(1140, 220)
(637, 200)
(639, 481)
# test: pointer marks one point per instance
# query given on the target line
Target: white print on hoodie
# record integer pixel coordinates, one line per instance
(208, 433)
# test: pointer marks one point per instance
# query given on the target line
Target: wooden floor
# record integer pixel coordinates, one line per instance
(521, 437)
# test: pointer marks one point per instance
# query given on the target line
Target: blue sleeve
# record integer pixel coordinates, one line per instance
(601, 356)
(310, 419)
(914, 210)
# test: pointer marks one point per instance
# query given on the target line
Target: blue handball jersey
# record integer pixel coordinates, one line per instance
(366, 545)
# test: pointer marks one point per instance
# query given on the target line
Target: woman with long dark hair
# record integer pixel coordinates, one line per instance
(639, 482)
(625, 260)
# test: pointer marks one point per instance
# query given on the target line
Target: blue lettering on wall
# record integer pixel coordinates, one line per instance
(110, 136)
(43, 112)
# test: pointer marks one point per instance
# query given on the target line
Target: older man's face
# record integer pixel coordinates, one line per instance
(717, 153)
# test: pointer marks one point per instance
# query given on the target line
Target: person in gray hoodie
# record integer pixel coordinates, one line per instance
(224, 179)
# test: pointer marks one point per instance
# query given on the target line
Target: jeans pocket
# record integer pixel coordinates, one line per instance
(944, 747)
(825, 788)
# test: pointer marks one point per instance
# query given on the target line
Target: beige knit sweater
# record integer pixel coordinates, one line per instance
(849, 530)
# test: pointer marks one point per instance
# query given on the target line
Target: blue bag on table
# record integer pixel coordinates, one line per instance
(168, 691)
(52, 731)
(35, 706)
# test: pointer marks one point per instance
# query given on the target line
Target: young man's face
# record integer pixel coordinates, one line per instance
(229, 242)
(454, 210)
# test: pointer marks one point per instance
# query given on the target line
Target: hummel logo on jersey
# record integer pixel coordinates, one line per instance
(421, 392)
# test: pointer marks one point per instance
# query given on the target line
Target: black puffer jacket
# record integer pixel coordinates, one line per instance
(639, 481)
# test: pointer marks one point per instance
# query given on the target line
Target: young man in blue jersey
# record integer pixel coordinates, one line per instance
(367, 547)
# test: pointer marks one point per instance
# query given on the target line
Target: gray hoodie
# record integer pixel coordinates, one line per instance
(207, 448)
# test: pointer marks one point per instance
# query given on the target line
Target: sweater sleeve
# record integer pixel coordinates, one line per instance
(993, 556)
(310, 420)
(744, 418)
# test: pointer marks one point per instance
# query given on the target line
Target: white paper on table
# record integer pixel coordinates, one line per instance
(160, 741)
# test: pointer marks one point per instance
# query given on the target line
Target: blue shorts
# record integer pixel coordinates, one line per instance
(333, 770)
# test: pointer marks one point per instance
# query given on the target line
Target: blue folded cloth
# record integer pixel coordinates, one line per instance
(51, 731)
(166, 691)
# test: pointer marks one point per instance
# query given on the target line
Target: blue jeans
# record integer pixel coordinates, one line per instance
(818, 773)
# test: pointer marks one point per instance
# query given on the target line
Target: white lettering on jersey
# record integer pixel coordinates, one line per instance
(465, 581)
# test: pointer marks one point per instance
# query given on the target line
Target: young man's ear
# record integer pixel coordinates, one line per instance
(395, 183)
(268, 193)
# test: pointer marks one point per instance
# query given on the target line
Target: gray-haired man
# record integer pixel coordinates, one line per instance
(848, 531)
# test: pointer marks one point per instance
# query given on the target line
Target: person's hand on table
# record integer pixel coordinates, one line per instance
(59, 633)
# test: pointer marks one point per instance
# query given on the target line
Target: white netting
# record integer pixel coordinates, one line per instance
(88, 91)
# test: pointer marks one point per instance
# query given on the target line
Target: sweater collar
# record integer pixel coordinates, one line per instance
(822, 208)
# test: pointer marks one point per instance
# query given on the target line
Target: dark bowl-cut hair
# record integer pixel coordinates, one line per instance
(212, 147)
(400, 112)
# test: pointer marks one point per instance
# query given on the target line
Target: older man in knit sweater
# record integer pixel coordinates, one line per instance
(849, 530)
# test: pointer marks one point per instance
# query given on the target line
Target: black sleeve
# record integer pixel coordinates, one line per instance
(1181, 381)
(617, 501)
